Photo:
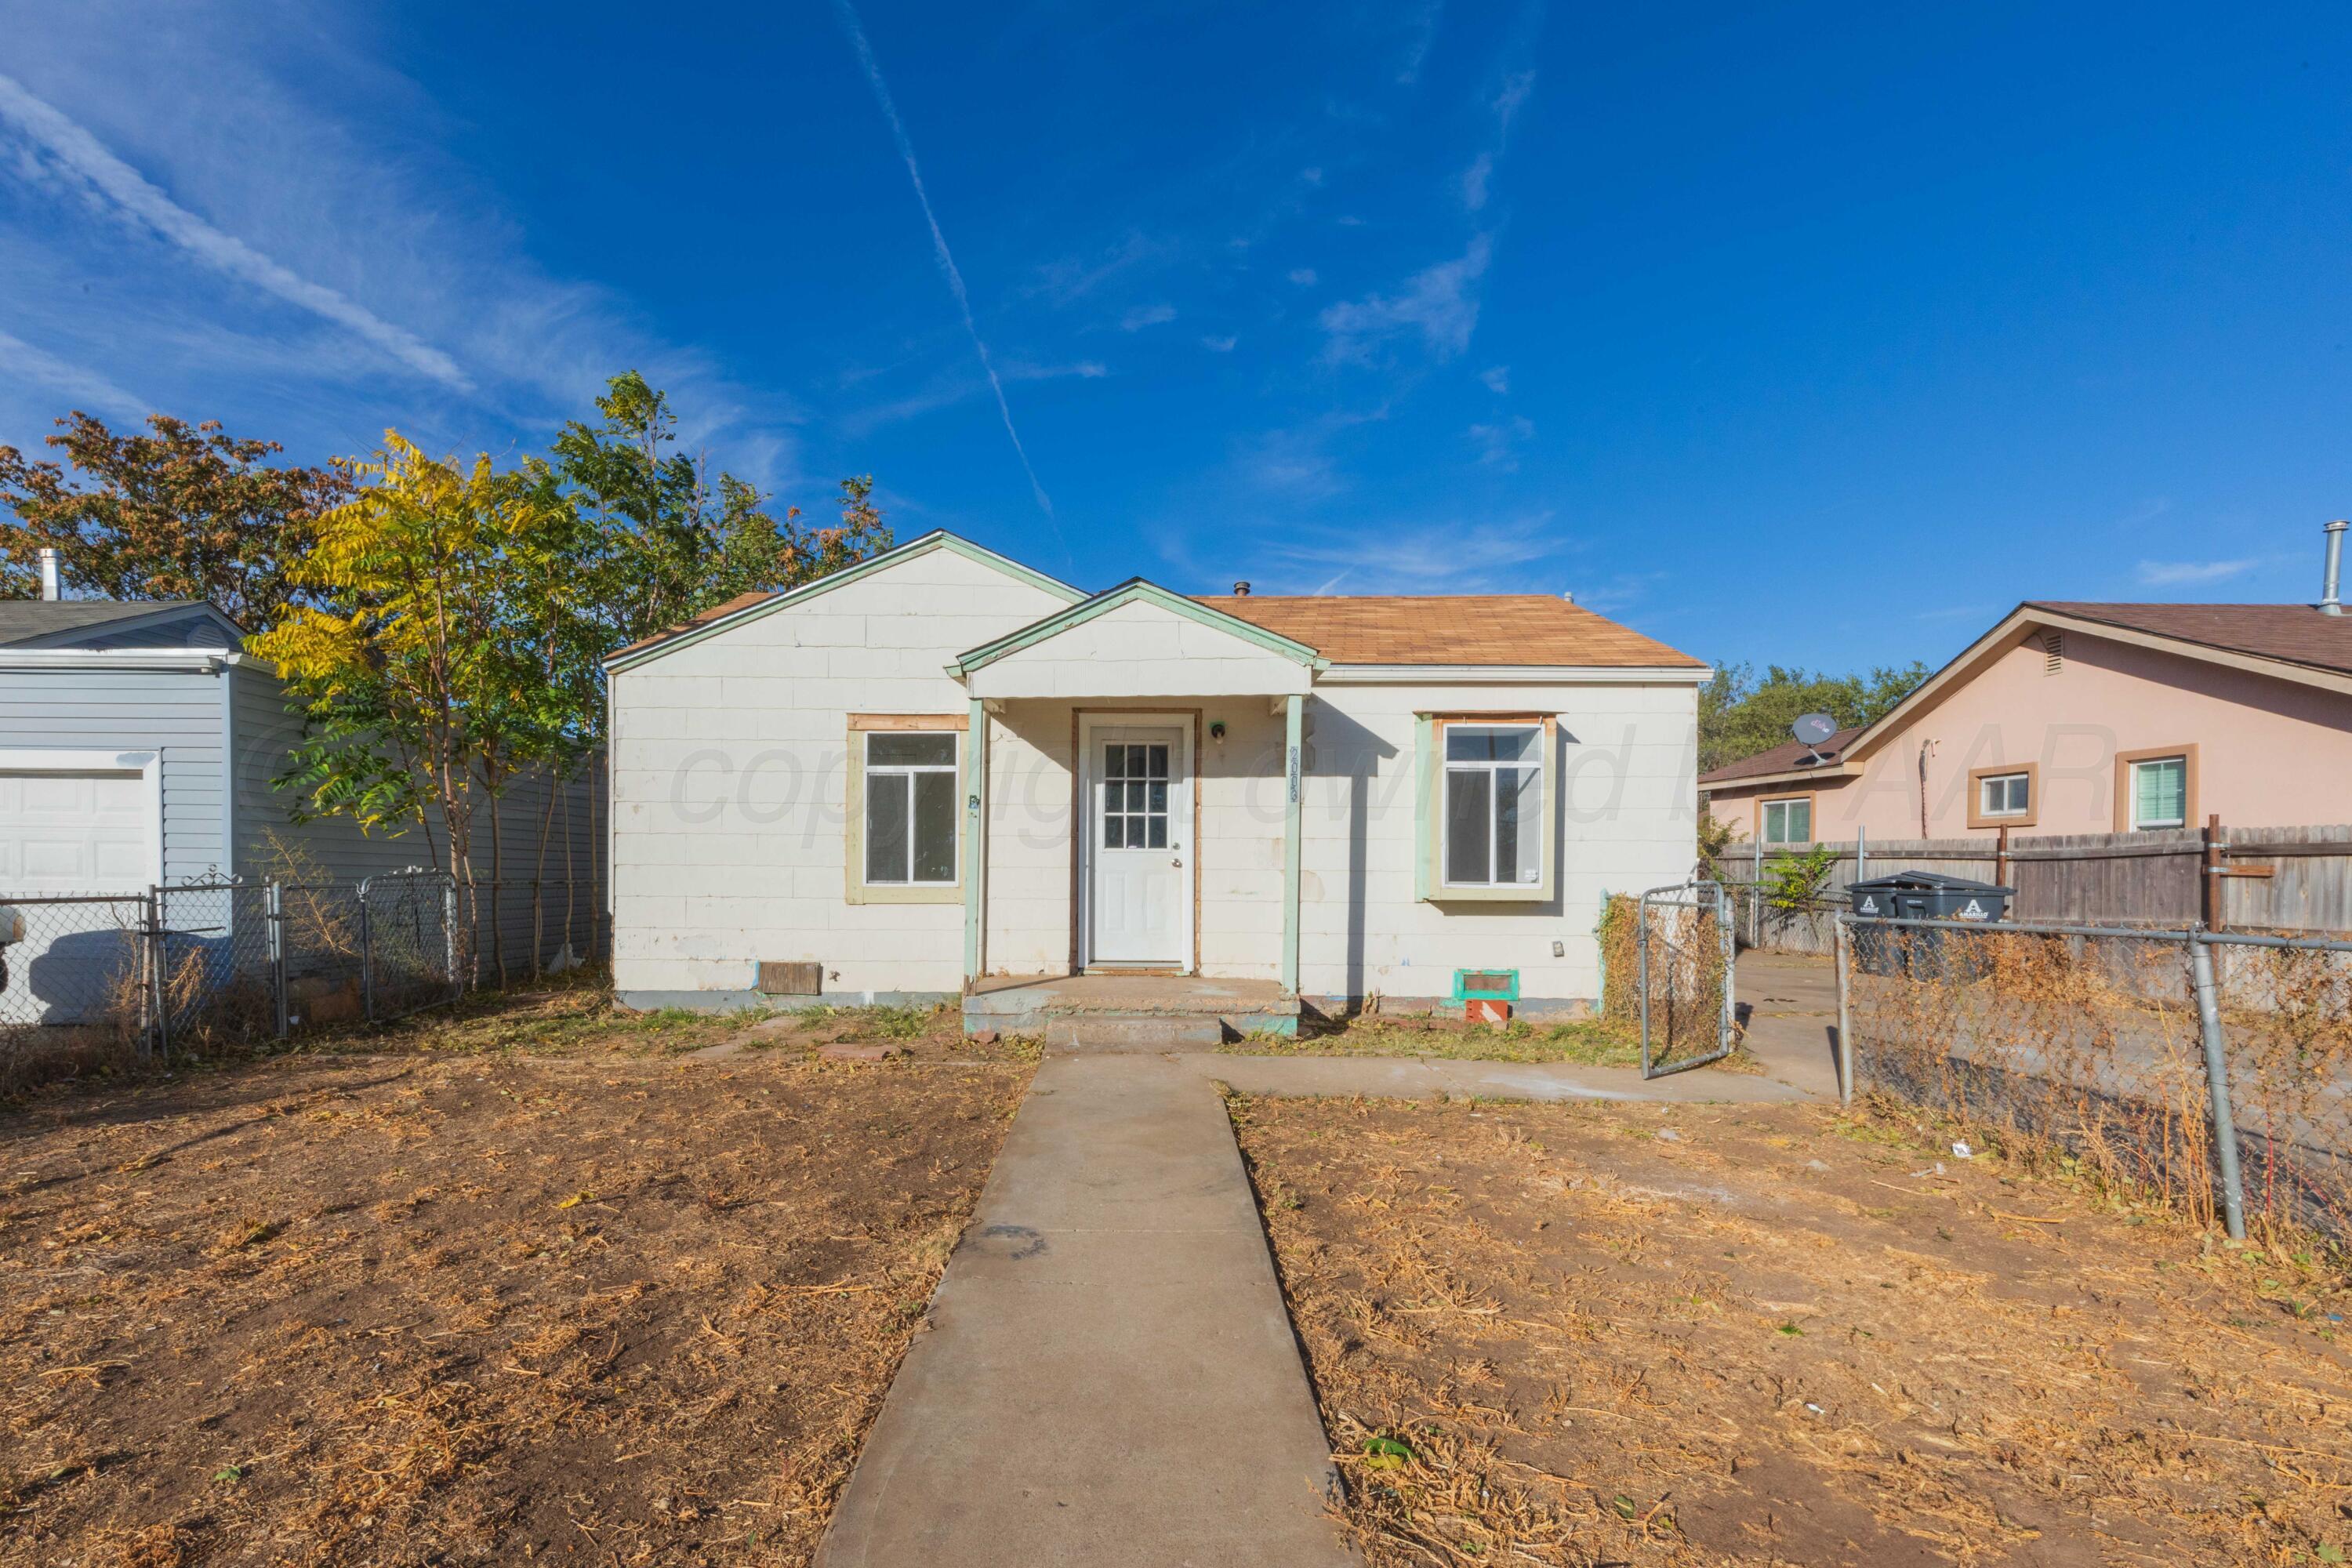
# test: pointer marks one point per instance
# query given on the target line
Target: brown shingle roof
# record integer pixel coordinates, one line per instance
(739, 602)
(1786, 757)
(2296, 634)
(1488, 628)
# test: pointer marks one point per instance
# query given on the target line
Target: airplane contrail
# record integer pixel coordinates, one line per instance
(947, 268)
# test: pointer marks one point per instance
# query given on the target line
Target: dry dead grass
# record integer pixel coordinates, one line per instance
(1584, 1334)
(501, 1308)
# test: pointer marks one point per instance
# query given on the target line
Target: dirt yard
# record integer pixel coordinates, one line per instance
(550, 1293)
(1581, 1334)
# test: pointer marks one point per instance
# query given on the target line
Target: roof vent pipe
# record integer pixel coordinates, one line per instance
(1241, 590)
(2329, 603)
(48, 558)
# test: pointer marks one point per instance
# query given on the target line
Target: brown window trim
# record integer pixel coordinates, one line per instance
(2124, 761)
(859, 721)
(2026, 818)
(1813, 816)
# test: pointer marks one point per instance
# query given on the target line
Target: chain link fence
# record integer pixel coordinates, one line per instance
(187, 967)
(2210, 1070)
(1683, 957)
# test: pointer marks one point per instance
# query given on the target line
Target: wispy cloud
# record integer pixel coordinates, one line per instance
(947, 390)
(1220, 345)
(1498, 443)
(1439, 304)
(1475, 180)
(1143, 316)
(1420, 32)
(86, 388)
(2181, 573)
(1303, 276)
(947, 268)
(1497, 378)
(1416, 557)
(72, 151)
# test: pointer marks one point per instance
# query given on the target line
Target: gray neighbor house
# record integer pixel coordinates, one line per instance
(137, 747)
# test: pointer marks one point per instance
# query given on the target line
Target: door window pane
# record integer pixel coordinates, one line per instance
(1469, 826)
(886, 827)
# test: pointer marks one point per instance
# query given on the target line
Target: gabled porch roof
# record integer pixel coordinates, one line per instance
(1138, 639)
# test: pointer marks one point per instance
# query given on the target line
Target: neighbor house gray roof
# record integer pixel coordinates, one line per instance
(26, 621)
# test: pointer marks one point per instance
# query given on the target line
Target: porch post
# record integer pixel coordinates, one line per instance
(975, 841)
(1293, 708)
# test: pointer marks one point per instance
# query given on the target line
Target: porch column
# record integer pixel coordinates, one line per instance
(975, 841)
(1293, 727)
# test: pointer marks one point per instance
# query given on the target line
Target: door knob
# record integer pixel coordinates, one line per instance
(1176, 859)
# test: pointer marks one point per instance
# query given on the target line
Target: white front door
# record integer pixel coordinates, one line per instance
(1138, 832)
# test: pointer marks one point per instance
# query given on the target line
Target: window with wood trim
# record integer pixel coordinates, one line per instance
(907, 808)
(1494, 805)
(910, 808)
(1786, 821)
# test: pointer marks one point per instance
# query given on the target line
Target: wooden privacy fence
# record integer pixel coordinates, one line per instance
(2284, 880)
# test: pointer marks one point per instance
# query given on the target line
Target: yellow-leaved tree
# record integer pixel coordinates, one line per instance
(421, 672)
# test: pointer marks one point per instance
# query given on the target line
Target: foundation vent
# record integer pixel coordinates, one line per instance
(779, 979)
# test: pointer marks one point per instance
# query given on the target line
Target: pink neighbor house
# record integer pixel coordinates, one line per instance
(2083, 718)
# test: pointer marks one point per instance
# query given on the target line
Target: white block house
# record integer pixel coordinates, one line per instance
(938, 773)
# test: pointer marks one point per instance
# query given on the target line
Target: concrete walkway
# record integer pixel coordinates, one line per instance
(1108, 1375)
(1789, 1000)
(1414, 1078)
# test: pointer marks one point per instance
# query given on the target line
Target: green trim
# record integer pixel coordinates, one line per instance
(1509, 993)
(1294, 708)
(855, 888)
(1424, 804)
(842, 579)
(975, 839)
(1111, 599)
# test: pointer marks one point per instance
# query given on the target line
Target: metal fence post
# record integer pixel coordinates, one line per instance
(160, 969)
(367, 958)
(1730, 940)
(449, 934)
(1844, 949)
(2217, 1087)
(274, 903)
(1642, 971)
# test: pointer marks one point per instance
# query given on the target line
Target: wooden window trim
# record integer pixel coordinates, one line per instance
(1813, 816)
(856, 888)
(2124, 761)
(1431, 813)
(2033, 812)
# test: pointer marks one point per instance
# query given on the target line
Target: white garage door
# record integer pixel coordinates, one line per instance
(74, 833)
(66, 834)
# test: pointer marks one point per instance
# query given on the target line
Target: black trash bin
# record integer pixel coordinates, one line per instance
(1915, 896)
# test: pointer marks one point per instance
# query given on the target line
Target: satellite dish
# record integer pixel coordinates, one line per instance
(1811, 730)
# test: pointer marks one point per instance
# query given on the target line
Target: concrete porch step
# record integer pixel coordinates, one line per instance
(1130, 1012)
(1091, 1032)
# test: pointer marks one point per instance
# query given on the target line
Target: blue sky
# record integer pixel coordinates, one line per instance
(1820, 335)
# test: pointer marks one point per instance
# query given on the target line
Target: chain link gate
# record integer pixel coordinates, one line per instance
(1684, 944)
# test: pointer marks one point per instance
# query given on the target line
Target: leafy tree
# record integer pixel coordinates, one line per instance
(1740, 715)
(420, 666)
(672, 540)
(186, 512)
